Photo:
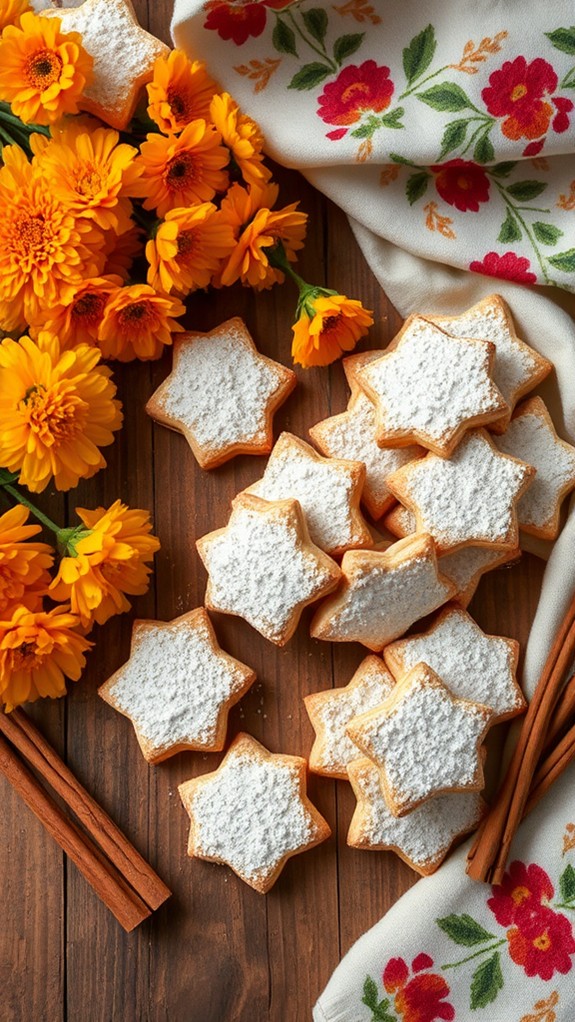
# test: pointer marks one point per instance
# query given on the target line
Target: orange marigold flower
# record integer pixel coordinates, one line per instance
(242, 136)
(120, 252)
(180, 92)
(188, 248)
(38, 651)
(77, 319)
(43, 72)
(56, 411)
(24, 566)
(11, 12)
(110, 558)
(137, 323)
(182, 170)
(329, 324)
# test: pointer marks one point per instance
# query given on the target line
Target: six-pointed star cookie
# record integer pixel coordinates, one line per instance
(263, 566)
(178, 686)
(383, 592)
(475, 666)
(330, 712)
(470, 498)
(424, 740)
(431, 388)
(531, 437)
(423, 837)
(222, 394)
(124, 56)
(252, 813)
(328, 490)
(517, 368)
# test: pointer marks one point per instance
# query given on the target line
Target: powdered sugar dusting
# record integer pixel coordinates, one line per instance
(335, 712)
(463, 565)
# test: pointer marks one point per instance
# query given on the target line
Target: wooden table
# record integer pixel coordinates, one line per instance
(217, 951)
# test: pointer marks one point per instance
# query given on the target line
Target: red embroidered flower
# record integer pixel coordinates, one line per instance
(561, 119)
(422, 999)
(520, 92)
(462, 184)
(356, 90)
(237, 20)
(509, 267)
(541, 942)
(522, 887)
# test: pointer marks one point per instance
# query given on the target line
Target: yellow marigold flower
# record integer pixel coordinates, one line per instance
(182, 170)
(120, 252)
(77, 319)
(43, 72)
(242, 136)
(329, 324)
(137, 323)
(56, 411)
(264, 229)
(180, 91)
(11, 12)
(111, 559)
(38, 651)
(24, 566)
(188, 248)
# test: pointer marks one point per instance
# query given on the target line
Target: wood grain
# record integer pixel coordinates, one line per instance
(218, 951)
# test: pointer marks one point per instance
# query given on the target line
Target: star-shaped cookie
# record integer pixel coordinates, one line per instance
(470, 498)
(330, 712)
(178, 686)
(424, 740)
(382, 593)
(531, 437)
(124, 56)
(252, 813)
(517, 368)
(475, 666)
(424, 837)
(222, 394)
(264, 567)
(431, 388)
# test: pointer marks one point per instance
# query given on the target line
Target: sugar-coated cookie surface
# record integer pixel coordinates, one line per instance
(252, 813)
(423, 837)
(330, 712)
(263, 566)
(222, 394)
(178, 686)
(424, 741)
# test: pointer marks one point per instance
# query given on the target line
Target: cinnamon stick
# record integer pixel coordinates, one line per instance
(551, 768)
(564, 709)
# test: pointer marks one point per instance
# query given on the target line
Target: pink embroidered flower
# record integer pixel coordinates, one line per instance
(508, 267)
(521, 92)
(462, 184)
(236, 20)
(541, 942)
(422, 998)
(356, 90)
(522, 887)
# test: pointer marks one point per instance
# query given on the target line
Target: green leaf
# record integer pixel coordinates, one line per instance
(447, 96)
(309, 76)
(503, 169)
(484, 151)
(453, 136)
(526, 190)
(283, 38)
(393, 118)
(510, 230)
(364, 131)
(563, 39)
(486, 982)
(370, 993)
(418, 55)
(315, 20)
(564, 261)
(416, 186)
(346, 45)
(548, 234)
(464, 930)
(397, 158)
(567, 884)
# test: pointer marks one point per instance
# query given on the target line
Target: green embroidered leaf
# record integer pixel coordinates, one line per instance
(510, 230)
(381, 1014)
(564, 261)
(309, 76)
(370, 993)
(393, 119)
(397, 158)
(283, 38)
(418, 55)
(503, 169)
(486, 982)
(525, 190)
(315, 20)
(364, 131)
(563, 39)
(416, 186)
(453, 136)
(484, 151)
(447, 96)
(464, 930)
(346, 45)
(548, 234)
(567, 884)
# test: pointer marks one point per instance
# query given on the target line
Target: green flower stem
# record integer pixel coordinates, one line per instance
(485, 127)
(21, 499)
(515, 212)
(482, 951)
(564, 904)
(321, 53)
(409, 92)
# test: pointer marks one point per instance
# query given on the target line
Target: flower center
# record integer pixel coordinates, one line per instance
(89, 307)
(542, 942)
(136, 317)
(180, 171)
(519, 894)
(89, 182)
(56, 417)
(23, 658)
(180, 102)
(186, 242)
(518, 92)
(330, 323)
(355, 93)
(463, 183)
(31, 233)
(43, 69)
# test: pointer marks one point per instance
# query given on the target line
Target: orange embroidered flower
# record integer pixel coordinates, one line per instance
(43, 72)
(180, 92)
(56, 411)
(188, 248)
(110, 558)
(138, 323)
(38, 651)
(77, 320)
(11, 12)
(328, 325)
(120, 252)
(24, 566)
(264, 229)
(182, 170)
(242, 136)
